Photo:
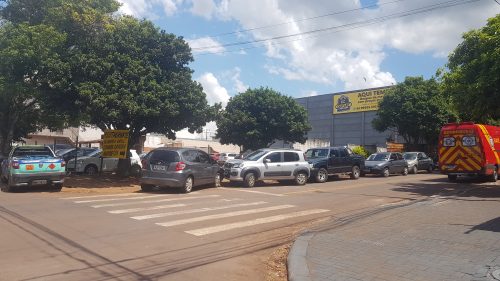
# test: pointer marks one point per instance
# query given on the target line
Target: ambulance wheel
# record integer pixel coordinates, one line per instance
(493, 177)
(452, 178)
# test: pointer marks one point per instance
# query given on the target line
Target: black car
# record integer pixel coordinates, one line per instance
(327, 161)
(386, 163)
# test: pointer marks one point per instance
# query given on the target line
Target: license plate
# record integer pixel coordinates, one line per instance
(30, 167)
(39, 182)
(159, 167)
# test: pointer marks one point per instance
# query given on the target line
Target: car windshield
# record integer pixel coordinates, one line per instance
(256, 155)
(316, 153)
(410, 156)
(378, 157)
(33, 152)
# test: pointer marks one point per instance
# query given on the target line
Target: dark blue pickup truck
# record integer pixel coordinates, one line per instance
(327, 161)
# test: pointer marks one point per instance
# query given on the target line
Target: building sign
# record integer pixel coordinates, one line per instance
(357, 101)
(115, 144)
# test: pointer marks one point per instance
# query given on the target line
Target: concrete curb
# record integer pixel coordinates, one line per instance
(297, 260)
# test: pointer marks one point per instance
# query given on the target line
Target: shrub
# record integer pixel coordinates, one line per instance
(361, 151)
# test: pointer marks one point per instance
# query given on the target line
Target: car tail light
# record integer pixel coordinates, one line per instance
(14, 165)
(180, 166)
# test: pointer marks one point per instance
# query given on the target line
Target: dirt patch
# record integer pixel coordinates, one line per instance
(276, 264)
(100, 184)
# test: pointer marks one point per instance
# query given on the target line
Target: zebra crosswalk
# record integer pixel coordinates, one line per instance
(195, 214)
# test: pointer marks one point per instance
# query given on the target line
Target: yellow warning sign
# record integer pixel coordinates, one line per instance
(115, 144)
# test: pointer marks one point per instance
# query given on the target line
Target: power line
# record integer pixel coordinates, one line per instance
(306, 19)
(348, 26)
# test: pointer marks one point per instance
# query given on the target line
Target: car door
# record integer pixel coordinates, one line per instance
(290, 162)
(401, 162)
(334, 161)
(206, 167)
(273, 165)
(424, 161)
(344, 164)
(393, 163)
(193, 164)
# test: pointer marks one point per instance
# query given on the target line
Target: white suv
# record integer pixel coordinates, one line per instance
(268, 164)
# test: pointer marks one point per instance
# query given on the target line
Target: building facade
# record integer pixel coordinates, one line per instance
(345, 119)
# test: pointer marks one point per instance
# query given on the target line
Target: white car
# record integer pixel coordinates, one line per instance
(91, 164)
(227, 156)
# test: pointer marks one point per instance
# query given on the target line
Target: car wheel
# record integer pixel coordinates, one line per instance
(146, 187)
(250, 180)
(493, 177)
(452, 178)
(135, 170)
(385, 172)
(217, 180)
(414, 170)
(405, 171)
(57, 187)
(91, 170)
(430, 168)
(188, 185)
(355, 172)
(9, 188)
(322, 175)
(301, 178)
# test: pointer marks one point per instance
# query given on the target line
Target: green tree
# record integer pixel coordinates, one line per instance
(257, 117)
(415, 109)
(136, 77)
(473, 79)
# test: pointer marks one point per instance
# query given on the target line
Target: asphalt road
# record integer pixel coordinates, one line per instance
(209, 234)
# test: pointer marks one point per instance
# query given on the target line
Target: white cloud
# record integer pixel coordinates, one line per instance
(215, 46)
(215, 92)
(203, 8)
(239, 86)
(354, 56)
(147, 8)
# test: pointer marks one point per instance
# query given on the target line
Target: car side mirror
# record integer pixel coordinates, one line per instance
(267, 160)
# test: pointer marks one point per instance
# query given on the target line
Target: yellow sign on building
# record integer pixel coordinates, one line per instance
(115, 144)
(357, 101)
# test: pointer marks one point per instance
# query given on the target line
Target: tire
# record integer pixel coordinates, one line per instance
(57, 187)
(135, 170)
(188, 185)
(355, 172)
(321, 176)
(405, 171)
(91, 170)
(430, 169)
(249, 180)
(493, 177)
(9, 188)
(146, 187)
(385, 172)
(217, 180)
(301, 178)
(452, 178)
(414, 170)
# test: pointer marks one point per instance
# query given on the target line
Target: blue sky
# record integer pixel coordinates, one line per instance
(385, 41)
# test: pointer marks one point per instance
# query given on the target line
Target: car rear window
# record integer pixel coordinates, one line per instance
(33, 152)
(163, 157)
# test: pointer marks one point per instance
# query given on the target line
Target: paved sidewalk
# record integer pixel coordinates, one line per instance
(443, 238)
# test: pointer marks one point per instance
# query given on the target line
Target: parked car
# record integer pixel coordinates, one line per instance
(183, 168)
(268, 164)
(386, 163)
(327, 161)
(32, 165)
(418, 161)
(71, 153)
(91, 164)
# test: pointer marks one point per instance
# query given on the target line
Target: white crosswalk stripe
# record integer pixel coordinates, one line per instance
(97, 196)
(146, 209)
(153, 201)
(117, 199)
(230, 226)
(193, 211)
(225, 215)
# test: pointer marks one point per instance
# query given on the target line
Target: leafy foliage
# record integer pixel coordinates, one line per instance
(361, 151)
(416, 109)
(257, 117)
(473, 79)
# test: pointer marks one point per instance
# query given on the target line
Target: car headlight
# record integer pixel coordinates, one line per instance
(240, 165)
